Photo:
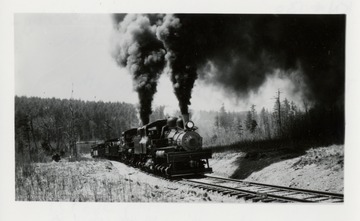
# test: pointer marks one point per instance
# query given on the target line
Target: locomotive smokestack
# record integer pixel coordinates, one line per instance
(185, 118)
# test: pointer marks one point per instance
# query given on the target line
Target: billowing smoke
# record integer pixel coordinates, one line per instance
(139, 50)
(181, 57)
(237, 52)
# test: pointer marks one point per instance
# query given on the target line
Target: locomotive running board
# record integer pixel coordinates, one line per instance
(174, 157)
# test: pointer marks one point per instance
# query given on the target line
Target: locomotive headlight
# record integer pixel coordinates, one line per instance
(190, 125)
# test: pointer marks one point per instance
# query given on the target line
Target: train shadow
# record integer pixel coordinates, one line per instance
(254, 161)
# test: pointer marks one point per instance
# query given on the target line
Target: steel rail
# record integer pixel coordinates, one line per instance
(236, 190)
(337, 195)
(266, 196)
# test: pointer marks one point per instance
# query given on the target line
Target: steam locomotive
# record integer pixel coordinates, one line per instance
(169, 147)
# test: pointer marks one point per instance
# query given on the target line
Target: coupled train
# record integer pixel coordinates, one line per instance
(169, 147)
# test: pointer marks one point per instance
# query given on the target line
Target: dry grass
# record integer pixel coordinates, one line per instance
(73, 182)
(97, 181)
(332, 157)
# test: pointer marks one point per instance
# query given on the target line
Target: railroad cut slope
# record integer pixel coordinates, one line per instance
(317, 168)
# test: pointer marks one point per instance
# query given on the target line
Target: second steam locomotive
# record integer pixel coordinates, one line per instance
(170, 147)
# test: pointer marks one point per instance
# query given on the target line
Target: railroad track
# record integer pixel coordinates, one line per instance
(259, 192)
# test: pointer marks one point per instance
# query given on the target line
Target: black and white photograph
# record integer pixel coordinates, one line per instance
(161, 108)
(179, 107)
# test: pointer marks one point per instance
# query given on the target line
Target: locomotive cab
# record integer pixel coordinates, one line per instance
(155, 131)
(140, 141)
(127, 139)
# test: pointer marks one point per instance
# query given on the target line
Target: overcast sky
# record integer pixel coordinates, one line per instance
(55, 52)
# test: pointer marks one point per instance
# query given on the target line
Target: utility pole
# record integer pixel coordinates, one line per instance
(72, 136)
(278, 104)
(279, 109)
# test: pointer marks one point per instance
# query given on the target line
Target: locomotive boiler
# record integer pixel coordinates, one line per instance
(170, 147)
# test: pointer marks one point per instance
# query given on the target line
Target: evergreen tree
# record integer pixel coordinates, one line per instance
(250, 122)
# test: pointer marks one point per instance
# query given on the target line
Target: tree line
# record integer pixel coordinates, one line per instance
(50, 125)
(44, 126)
(286, 122)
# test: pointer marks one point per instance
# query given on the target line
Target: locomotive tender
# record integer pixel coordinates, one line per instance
(170, 147)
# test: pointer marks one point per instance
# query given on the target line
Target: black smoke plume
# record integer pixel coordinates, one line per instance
(139, 50)
(244, 49)
(181, 57)
(238, 52)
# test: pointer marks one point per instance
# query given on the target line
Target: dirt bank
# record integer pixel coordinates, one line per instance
(317, 168)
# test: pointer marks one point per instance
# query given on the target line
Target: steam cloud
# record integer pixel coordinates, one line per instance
(237, 52)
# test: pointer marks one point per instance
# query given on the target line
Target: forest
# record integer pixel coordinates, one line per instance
(286, 125)
(46, 126)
